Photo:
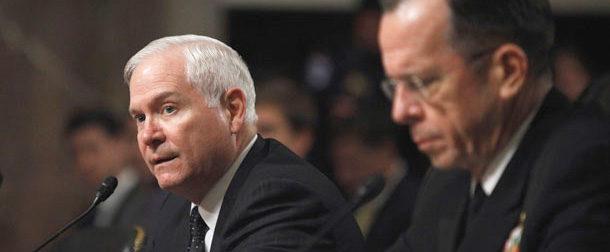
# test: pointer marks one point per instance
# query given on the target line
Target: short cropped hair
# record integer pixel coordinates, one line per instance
(477, 25)
(211, 66)
(371, 125)
(94, 117)
(293, 101)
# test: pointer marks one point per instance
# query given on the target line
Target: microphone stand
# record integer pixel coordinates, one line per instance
(96, 201)
(366, 192)
(103, 192)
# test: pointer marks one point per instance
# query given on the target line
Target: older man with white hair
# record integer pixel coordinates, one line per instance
(193, 98)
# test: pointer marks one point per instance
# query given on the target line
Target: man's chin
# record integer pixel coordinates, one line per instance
(167, 183)
(443, 162)
(167, 186)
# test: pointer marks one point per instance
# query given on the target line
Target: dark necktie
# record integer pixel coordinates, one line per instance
(475, 204)
(198, 231)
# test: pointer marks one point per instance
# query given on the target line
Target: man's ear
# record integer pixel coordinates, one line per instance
(509, 70)
(235, 107)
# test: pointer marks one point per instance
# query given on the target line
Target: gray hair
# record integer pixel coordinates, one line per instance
(211, 66)
(483, 24)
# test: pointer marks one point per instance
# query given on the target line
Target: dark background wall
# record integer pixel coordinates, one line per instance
(280, 41)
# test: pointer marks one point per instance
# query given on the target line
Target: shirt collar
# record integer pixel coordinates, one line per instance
(209, 208)
(500, 161)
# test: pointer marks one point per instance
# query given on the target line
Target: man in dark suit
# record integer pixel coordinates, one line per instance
(516, 168)
(193, 100)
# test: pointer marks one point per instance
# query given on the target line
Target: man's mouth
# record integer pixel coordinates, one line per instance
(425, 144)
(422, 141)
(156, 161)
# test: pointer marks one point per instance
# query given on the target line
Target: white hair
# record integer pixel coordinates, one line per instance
(211, 66)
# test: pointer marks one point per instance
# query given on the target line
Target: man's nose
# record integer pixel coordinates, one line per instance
(406, 106)
(152, 134)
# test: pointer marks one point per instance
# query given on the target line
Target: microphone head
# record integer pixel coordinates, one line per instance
(369, 190)
(106, 188)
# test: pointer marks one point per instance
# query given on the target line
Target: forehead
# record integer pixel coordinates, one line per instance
(156, 75)
(161, 67)
(412, 34)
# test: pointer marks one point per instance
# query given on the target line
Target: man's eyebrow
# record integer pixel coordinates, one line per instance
(158, 98)
(425, 74)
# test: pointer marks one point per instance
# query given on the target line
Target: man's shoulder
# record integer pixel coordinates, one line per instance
(568, 184)
(585, 123)
(583, 130)
(282, 196)
(278, 162)
(271, 169)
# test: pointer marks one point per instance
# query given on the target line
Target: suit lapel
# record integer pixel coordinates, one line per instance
(182, 235)
(450, 226)
(499, 214)
(447, 199)
(252, 158)
(172, 230)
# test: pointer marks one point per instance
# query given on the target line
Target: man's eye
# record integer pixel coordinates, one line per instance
(429, 81)
(140, 118)
(168, 109)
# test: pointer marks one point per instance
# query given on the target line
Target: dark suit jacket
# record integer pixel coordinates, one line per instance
(394, 217)
(135, 209)
(559, 177)
(275, 202)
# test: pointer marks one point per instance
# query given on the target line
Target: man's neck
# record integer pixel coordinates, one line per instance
(515, 114)
(242, 139)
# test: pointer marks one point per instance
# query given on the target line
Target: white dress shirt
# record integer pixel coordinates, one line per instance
(498, 164)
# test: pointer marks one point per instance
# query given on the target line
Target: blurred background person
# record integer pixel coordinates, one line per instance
(578, 78)
(286, 113)
(99, 148)
(343, 74)
(364, 146)
(572, 71)
(353, 67)
(599, 92)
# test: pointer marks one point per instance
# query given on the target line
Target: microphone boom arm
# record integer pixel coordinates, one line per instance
(366, 192)
(103, 192)
(93, 205)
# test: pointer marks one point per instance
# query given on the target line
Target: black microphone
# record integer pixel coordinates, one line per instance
(366, 192)
(105, 189)
(103, 192)
(0, 179)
